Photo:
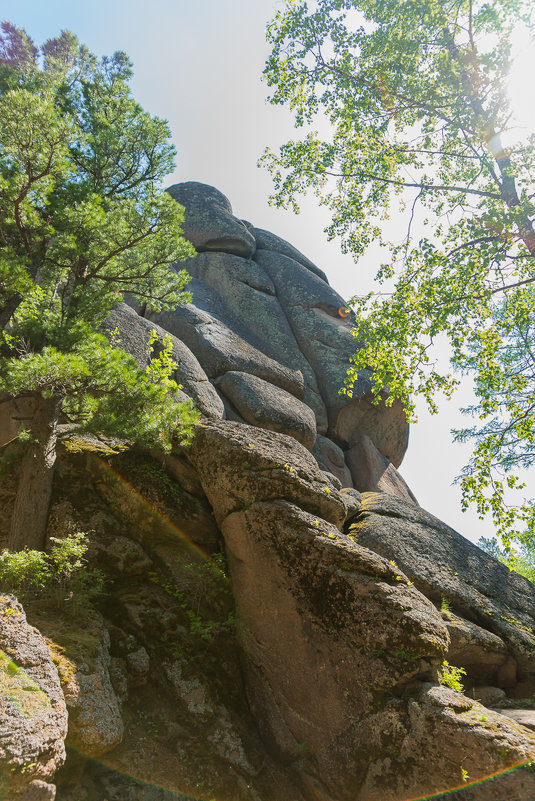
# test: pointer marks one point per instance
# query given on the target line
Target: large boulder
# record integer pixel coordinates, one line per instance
(33, 714)
(338, 643)
(208, 220)
(268, 406)
(443, 564)
(248, 465)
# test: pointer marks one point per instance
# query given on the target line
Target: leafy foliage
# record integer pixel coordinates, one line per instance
(413, 97)
(61, 575)
(521, 558)
(451, 676)
(83, 220)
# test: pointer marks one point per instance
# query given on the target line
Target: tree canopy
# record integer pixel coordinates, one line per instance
(405, 109)
(83, 220)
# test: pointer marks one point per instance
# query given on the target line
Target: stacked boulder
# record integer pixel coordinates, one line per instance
(349, 597)
(264, 343)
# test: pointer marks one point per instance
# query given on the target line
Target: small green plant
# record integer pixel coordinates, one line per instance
(445, 607)
(205, 630)
(401, 653)
(61, 575)
(451, 676)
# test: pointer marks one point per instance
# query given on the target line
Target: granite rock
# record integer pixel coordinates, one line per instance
(208, 220)
(33, 714)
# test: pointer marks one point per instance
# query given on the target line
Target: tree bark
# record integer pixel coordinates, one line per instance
(30, 511)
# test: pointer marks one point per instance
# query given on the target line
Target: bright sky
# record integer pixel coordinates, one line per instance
(198, 64)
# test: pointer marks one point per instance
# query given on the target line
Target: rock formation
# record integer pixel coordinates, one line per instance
(278, 608)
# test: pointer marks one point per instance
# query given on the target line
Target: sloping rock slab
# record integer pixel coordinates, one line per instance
(441, 562)
(208, 220)
(134, 334)
(224, 454)
(265, 240)
(265, 405)
(33, 715)
(372, 472)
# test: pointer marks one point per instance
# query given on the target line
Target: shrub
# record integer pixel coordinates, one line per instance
(451, 676)
(62, 575)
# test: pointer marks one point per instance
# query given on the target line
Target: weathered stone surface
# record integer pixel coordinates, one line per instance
(386, 426)
(372, 472)
(172, 515)
(441, 562)
(352, 499)
(477, 650)
(208, 220)
(263, 404)
(134, 333)
(307, 597)
(220, 350)
(311, 601)
(240, 294)
(325, 338)
(331, 458)
(224, 453)
(265, 240)
(33, 715)
(526, 717)
(95, 722)
(440, 734)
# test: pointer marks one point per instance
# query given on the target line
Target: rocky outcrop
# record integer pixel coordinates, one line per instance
(443, 564)
(312, 601)
(33, 716)
(277, 608)
(262, 309)
(208, 221)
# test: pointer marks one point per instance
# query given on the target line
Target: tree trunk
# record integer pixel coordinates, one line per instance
(30, 512)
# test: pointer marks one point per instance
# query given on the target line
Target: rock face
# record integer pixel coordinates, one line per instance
(33, 716)
(312, 601)
(443, 564)
(262, 308)
(277, 607)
